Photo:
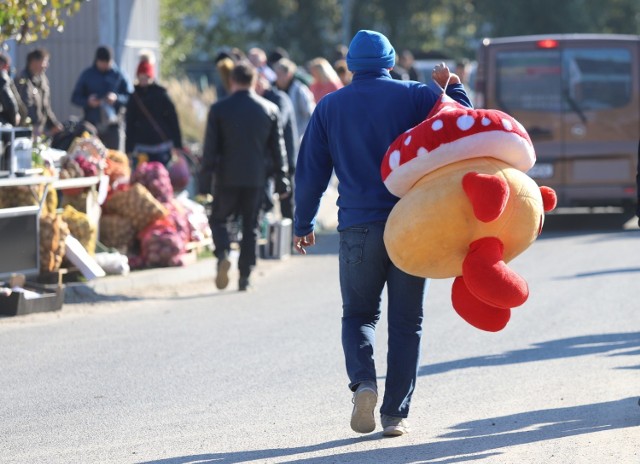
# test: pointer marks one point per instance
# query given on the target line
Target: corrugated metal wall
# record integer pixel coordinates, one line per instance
(127, 26)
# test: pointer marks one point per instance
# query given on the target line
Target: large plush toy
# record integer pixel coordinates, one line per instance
(467, 207)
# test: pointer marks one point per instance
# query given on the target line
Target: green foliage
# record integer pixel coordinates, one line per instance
(197, 30)
(30, 20)
(510, 17)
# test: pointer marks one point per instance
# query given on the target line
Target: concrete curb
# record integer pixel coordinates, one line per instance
(114, 285)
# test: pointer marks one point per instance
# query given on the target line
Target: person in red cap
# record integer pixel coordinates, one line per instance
(152, 121)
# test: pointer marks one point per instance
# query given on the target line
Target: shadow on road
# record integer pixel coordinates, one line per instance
(84, 295)
(247, 456)
(623, 270)
(469, 441)
(619, 344)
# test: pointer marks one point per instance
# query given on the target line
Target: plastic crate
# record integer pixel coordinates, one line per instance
(16, 304)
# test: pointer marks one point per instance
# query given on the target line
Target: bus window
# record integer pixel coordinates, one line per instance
(599, 78)
(530, 80)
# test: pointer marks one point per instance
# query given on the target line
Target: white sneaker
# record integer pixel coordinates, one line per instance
(364, 403)
(394, 426)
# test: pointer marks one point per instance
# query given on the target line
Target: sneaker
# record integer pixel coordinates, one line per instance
(364, 403)
(222, 278)
(393, 426)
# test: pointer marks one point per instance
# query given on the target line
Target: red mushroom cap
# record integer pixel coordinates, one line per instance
(453, 133)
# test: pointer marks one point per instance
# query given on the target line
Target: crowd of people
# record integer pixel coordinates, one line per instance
(295, 90)
(248, 164)
(126, 117)
(141, 120)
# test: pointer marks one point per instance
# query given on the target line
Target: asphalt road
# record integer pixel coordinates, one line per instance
(188, 374)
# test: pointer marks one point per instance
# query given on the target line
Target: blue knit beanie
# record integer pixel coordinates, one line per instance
(370, 50)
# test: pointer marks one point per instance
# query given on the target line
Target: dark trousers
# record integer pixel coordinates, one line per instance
(113, 137)
(239, 201)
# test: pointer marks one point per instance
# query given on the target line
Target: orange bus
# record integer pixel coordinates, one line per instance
(578, 97)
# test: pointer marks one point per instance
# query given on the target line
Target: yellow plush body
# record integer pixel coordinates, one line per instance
(429, 230)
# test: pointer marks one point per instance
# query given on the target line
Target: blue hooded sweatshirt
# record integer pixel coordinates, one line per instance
(350, 131)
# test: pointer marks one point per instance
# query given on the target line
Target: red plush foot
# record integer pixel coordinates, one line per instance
(488, 277)
(488, 195)
(475, 312)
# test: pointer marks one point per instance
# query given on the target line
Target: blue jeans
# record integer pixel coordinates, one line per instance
(365, 268)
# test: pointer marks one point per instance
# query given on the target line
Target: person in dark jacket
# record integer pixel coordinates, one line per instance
(290, 133)
(33, 86)
(152, 121)
(9, 109)
(243, 146)
(350, 131)
(102, 91)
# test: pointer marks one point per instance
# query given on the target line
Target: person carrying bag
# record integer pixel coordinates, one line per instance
(153, 132)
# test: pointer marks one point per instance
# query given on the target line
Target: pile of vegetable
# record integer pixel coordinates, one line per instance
(53, 232)
(81, 228)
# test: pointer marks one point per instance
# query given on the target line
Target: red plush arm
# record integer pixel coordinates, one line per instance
(488, 195)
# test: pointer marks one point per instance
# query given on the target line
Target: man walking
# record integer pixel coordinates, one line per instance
(243, 147)
(350, 131)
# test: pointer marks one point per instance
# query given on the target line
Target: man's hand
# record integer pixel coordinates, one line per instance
(300, 243)
(111, 98)
(441, 74)
(282, 187)
(93, 101)
(56, 129)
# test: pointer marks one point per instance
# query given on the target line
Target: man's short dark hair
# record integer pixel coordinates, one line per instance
(244, 73)
(37, 54)
(103, 54)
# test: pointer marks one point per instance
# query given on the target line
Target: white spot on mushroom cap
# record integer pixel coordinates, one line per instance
(407, 141)
(394, 159)
(437, 125)
(422, 151)
(507, 124)
(465, 122)
(486, 121)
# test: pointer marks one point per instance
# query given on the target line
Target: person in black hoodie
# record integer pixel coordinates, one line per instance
(152, 122)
